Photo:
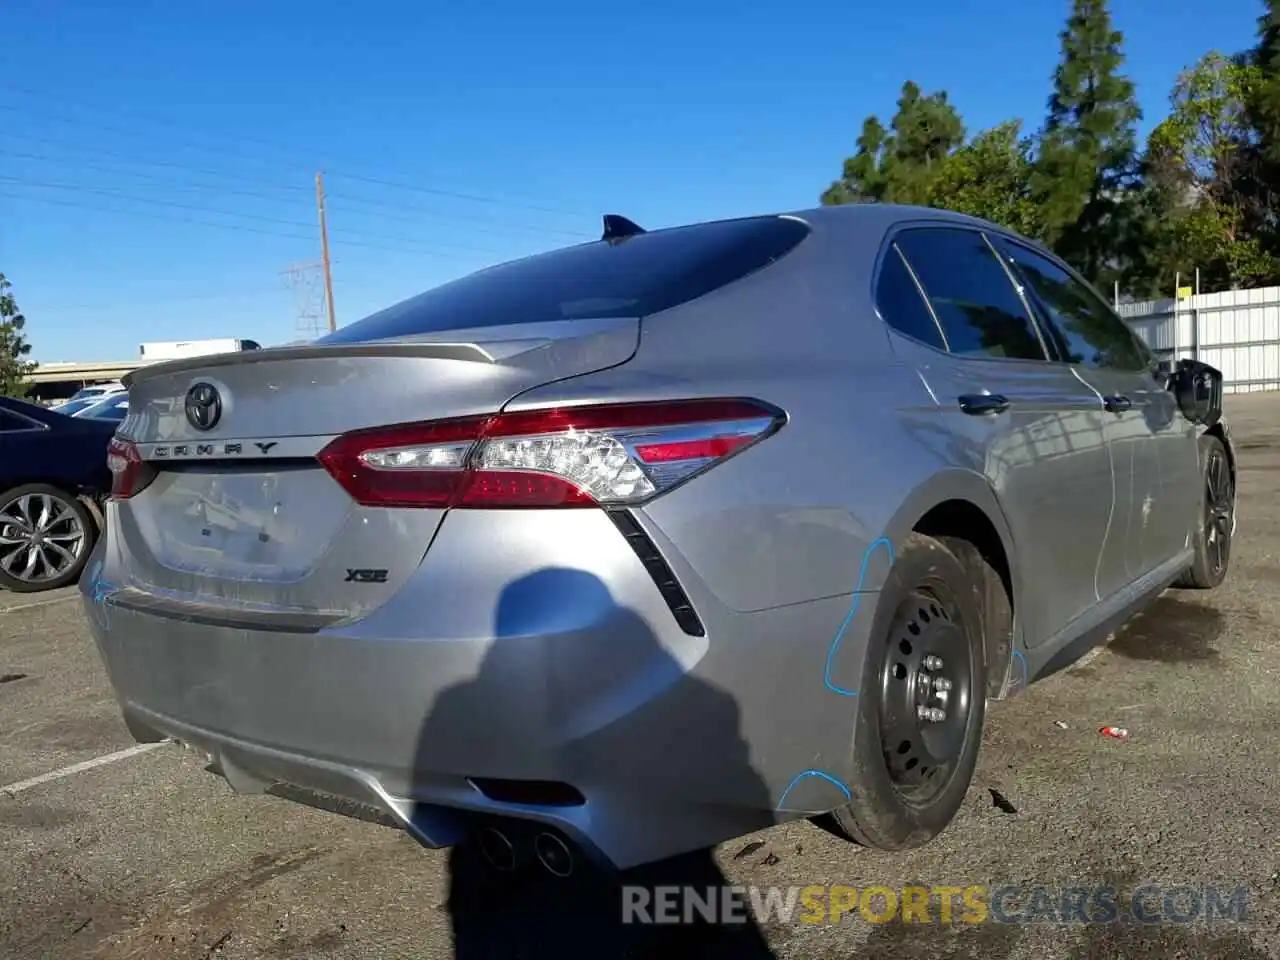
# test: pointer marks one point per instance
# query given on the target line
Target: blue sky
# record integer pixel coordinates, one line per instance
(157, 159)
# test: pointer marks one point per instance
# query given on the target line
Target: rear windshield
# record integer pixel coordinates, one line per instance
(630, 278)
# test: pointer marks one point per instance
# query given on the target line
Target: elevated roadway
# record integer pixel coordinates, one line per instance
(83, 373)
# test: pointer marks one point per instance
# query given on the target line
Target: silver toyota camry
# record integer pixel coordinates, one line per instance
(626, 549)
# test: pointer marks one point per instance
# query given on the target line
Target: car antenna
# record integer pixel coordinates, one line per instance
(617, 227)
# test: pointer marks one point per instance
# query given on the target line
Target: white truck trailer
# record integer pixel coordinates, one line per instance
(156, 351)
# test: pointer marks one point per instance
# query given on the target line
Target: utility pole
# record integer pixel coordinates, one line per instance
(324, 251)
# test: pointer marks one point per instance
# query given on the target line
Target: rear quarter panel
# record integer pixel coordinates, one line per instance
(782, 547)
(803, 515)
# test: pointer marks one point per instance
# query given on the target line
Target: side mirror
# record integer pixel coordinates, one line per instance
(1197, 388)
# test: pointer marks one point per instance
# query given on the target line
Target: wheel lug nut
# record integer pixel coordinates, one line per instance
(932, 663)
(931, 714)
(941, 684)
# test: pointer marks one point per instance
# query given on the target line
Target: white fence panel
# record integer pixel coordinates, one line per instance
(1237, 331)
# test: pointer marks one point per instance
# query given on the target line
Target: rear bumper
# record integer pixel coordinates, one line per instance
(551, 656)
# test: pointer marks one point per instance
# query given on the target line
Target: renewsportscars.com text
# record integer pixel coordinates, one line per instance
(972, 904)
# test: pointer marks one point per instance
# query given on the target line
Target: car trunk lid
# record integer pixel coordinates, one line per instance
(243, 522)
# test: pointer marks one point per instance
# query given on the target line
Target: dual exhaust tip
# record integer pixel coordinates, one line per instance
(551, 852)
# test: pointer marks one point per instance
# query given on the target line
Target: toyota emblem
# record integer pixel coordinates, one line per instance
(204, 406)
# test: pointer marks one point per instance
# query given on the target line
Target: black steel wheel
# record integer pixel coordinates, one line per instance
(1212, 542)
(922, 702)
(926, 693)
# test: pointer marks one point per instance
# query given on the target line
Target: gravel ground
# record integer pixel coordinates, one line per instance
(151, 857)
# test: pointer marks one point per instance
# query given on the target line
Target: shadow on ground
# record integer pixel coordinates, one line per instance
(1171, 630)
(537, 916)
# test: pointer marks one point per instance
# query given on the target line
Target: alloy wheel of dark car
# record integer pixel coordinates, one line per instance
(1219, 506)
(1212, 543)
(926, 690)
(45, 538)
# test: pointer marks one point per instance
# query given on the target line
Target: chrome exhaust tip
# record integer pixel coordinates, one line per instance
(497, 849)
(554, 855)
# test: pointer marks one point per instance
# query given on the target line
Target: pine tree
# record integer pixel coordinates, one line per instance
(1259, 179)
(897, 165)
(1087, 161)
(1265, 112)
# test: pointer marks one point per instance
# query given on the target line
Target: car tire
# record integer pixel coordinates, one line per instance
(910, 774)
(78, 517)
(1212, 539)
(997, 614)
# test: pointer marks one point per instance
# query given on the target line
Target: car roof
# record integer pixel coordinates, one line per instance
(884, 216)
(872, 219)
(32, 411)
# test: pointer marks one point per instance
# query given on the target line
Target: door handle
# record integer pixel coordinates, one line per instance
(978, 404)
(1116, 404)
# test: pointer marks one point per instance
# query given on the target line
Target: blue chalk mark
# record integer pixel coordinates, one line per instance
(853, 609)
(100, 590)
(1022, 660)
(821, 775)
(98, 594)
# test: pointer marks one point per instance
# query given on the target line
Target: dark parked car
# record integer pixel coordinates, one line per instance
(53, 474)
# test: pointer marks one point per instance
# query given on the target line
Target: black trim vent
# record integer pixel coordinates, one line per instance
(529, 793)
(664, 579)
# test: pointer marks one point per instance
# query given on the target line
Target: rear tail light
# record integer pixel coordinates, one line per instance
(603, 455)
(129, 472)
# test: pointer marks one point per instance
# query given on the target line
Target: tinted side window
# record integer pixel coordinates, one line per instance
(1081, 324)
(633, 277)
(900, 304)
(979, 309)
(10, 422)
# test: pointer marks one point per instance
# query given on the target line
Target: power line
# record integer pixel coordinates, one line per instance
(475, 198)
(504, 230)
(97, 108)
(117, 195)
(100, 151)
(163, 299)
(154, 216)
(381, 206)
(239, 227)
(148, 177)
(223, 150)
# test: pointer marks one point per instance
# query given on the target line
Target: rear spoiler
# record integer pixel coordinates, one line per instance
(427, 351)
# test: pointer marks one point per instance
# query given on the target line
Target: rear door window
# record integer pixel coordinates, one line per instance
(633, 277)
(979, 308)
(1084, 329)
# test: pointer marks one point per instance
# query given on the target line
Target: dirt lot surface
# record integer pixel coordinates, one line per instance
(148, 856)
